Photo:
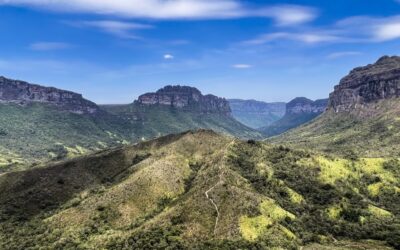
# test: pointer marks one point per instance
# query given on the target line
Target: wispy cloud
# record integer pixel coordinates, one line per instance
(310, 38)
(175, 9)
(44, 46)
(358, 29)
(117, 28)
(341, 54)
(242, 66)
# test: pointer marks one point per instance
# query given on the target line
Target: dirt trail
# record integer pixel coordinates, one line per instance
(220, 182)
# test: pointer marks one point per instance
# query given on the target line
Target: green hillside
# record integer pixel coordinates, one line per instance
(201, 190)
(149, 121)
(372, 130)
(286, 123)
(34, 133)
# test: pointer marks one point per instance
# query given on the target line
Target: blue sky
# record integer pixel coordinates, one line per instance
(113, 51)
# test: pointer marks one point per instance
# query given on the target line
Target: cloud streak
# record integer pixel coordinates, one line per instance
(358, 29)
(341, 54)
(242, 66)
(117, 28)
(175, 9)
(46, 46)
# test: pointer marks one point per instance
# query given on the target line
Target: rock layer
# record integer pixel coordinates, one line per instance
(20, 92)
(188, 98)
(367, 84)
(302, 105)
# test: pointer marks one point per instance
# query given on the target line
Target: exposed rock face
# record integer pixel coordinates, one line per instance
(188, 98)
(14, 91)
(301, 105)
(367, 84)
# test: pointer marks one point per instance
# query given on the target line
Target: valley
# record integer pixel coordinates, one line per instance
(175, 170)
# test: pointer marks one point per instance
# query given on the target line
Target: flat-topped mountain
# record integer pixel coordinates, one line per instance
(185, 97)
(175, 109)
(256, 114)
(298, 111)
(362, 116)
(20, 92)
(304, 105)
(368, 84)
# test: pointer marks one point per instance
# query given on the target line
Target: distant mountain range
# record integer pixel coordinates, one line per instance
(298, 111)
(256, 114)
(39, 123)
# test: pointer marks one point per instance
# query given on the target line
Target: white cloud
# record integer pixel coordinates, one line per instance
(242, 66)
(286, 15)
(117, 28)
(43, 46)
(388, 31)
(174, 9)
(168, 57)
(371, 29)
(358, 29)
(343, 54)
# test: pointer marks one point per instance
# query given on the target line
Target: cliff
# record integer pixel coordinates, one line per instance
(367, 84)
(187, 98)
(14, 91)
(301, 105)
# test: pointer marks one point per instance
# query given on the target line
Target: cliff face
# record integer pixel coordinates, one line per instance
(14, 91)
(301, 105)
(186, 98)
(367, 84)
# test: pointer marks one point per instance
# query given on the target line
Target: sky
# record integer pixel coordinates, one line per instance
(271, 50)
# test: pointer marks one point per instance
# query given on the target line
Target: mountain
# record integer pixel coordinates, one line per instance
(40, 124)
(362, 116)
(175, 109)
(201, 190)
(22, 93)
(298, 111)
(256, 114)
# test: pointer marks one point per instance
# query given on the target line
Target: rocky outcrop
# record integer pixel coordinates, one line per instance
(187, 98)
(301, 105)
(14, 91)
(367, 84)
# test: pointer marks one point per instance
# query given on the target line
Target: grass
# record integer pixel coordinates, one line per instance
(152, 195)
(369, 131)
(38, 133)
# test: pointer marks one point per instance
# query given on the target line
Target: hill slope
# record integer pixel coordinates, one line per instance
(256, 114)
(38, 124)
(362, 116)
(201, 190)
(298, 111)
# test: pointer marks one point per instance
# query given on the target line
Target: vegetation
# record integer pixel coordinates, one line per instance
(372, 130)
(36, 133)
(153, 196)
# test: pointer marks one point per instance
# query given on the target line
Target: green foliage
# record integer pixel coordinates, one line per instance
(268, 197)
